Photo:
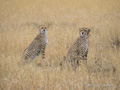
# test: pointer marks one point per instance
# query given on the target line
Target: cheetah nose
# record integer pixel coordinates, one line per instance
(82, 33)
(44, 29)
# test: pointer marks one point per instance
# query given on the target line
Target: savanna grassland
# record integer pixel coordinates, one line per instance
(19, 20)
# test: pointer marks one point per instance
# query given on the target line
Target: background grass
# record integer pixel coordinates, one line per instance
(18, 27)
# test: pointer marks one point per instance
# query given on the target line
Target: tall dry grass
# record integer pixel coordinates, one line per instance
(18, 27)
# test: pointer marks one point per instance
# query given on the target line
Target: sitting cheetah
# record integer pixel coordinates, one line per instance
(79, 50)
(36, 47)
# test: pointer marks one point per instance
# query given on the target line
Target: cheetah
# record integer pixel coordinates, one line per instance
(79, 50)
(36, 47)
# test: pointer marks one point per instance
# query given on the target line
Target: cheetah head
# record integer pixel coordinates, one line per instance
(43, 30)
(84, 32)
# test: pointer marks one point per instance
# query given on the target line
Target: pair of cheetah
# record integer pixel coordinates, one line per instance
(77, 52)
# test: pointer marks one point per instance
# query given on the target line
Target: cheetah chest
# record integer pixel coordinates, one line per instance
(82, 49)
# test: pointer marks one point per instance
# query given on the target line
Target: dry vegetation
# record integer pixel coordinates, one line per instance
(18, 22)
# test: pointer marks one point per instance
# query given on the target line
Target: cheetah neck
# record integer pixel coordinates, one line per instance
(84, 40)
(45, 38)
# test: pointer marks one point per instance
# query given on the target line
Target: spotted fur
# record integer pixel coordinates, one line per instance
(79, 50)
(37, 46)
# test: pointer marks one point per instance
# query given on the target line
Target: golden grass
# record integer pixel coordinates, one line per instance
(18, 27)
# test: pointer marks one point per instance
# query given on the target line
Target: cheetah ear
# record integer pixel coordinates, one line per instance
(80, 29)
(40, 29)
(89, 30)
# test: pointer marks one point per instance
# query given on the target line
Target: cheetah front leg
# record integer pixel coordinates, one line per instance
(43, 53)
(85, 57)
(43, 63)
(43, 57)
(74, 63)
